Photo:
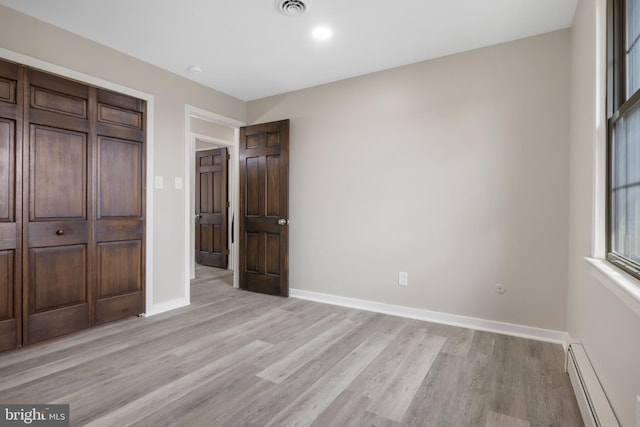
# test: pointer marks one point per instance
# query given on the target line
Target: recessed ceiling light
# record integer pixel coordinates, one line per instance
(194, 69)
(322, 33)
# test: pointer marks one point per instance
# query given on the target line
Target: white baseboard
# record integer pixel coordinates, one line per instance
(546, 335)
(166, 306)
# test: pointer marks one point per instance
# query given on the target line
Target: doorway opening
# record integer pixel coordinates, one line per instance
(207, 130)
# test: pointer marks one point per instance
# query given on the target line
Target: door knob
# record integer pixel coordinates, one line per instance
(198, 216)
(59, 232)
(283, 221)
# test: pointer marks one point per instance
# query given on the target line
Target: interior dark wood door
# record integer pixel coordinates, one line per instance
(119, 210)
(212, 247)
(264, 208)
(57, 291)
(10, 205)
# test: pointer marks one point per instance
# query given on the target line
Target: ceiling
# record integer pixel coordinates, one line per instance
(248, 49)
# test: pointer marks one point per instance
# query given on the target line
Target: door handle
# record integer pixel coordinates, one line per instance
(283, 221)
(59, 232)
(198, 216)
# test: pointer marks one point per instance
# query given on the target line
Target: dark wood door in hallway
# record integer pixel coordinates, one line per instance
(212, 208)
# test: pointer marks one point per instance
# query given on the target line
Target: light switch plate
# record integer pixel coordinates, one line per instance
(159, 182)
(178, 182)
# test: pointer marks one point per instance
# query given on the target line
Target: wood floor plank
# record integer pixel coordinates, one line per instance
(392, 379)
(228, 330)
(458, 341)
(545, 372)
(303, 321)
(269, 404)
(107, 394)
(58, 348)
(294, 360)
(350, 409)
(241, 397)
(210, 401)
(509, 395)
(49, 389)
(138, 379)
(296, 337)
(457, 389)
(398, 392)
(495, 419)
(319, 395)
(22, 377)
(136, 410)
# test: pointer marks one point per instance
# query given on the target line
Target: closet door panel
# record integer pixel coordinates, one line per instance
(8, 322)
(119, 289)
(119, 178)
(119, 226)
(6, 291)
(58, 174)
(8, 229)
(127, 277)
(7, 168)
(58, 277)
(57, 288)
(8, 83)
(10, 221)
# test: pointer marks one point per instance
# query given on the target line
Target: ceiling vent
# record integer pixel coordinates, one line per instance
(292, 7)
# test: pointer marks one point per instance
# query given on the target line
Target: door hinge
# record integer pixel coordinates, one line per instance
(226, 252)
(228, 204)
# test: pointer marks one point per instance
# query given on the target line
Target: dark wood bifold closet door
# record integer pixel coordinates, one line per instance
(211, 208)
(84, 196)
(10, 229)
(72, 205)
(119, 226)
(57, 291)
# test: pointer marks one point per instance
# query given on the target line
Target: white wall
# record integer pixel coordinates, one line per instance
(608, 329)
(35, 39)
(454, 170)
(213, 130)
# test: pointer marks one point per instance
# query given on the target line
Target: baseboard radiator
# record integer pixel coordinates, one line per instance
(594, 405)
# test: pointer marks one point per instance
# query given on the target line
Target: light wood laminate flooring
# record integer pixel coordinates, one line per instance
(238, 358)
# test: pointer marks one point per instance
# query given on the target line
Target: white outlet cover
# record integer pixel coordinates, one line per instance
(403, 278)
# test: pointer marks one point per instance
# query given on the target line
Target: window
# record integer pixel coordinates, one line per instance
(623, 110)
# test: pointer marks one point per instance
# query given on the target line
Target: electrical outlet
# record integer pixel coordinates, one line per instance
(500, 288)
(403, 278)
